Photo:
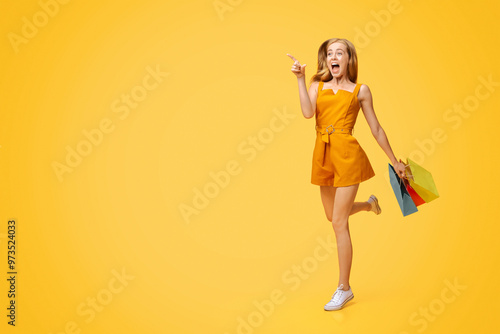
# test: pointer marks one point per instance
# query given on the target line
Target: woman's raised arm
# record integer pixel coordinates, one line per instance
(307, 98)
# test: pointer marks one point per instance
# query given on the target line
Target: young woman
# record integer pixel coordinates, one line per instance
(339, 164)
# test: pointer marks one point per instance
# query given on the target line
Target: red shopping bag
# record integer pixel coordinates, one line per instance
(413, 194)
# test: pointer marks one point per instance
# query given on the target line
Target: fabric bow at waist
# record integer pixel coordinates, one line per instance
(327, 130)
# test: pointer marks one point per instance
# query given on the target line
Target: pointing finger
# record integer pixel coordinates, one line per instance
(293, 58)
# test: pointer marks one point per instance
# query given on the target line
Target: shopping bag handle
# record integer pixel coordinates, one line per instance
(408, 173)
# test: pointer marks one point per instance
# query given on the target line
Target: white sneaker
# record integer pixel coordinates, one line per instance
(374, 202)
(339, 299)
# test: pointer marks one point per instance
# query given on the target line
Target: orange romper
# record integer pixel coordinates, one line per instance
(338, 159)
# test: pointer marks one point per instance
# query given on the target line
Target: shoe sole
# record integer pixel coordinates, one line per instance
(379, 210)
(339, 307)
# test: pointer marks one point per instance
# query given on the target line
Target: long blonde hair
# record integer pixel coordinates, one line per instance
(324, 74)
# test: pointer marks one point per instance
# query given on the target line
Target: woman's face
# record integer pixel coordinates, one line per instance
(337, 59)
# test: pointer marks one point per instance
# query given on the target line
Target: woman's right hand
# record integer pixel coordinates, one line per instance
(400, 169)
(297, 69)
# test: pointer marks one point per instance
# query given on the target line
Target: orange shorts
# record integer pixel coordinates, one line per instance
(340, 162)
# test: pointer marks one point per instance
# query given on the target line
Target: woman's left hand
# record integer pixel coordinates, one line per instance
(399, 167)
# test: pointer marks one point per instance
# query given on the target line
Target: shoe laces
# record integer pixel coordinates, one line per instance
(338, 294)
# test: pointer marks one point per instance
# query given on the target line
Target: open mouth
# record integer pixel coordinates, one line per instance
(335, 68)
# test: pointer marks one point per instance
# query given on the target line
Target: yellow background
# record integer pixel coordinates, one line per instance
(229, 76)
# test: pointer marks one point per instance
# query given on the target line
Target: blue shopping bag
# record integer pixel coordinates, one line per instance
(405, 201)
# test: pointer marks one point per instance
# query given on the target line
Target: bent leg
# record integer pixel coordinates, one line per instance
(360, 206)
(328, 198)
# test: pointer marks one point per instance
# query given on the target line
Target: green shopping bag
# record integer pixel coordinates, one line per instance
(421, 181)
(405, 201)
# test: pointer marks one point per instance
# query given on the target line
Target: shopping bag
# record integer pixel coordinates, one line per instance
(413, 194)
(421, 181)
(405, 201)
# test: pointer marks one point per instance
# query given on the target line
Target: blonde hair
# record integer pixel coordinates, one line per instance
(323, 73)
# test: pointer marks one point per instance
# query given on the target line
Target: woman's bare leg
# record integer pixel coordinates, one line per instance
(328, 197)
(344, 199)
(340, 224)
(360, 206)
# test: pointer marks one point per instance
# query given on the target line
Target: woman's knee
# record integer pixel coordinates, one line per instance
(339, 223)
